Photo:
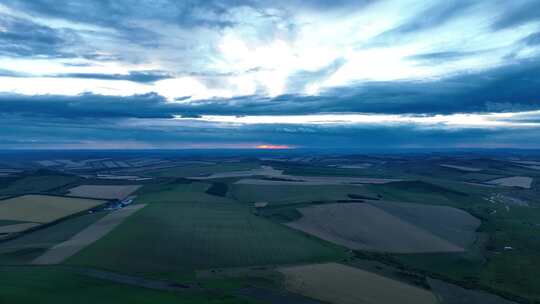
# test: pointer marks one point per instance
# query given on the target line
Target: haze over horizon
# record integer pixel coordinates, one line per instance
(257, 74)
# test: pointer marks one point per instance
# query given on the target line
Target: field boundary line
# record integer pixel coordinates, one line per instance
(87, 236)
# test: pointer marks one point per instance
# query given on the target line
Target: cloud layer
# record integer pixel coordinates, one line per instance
(119, 72)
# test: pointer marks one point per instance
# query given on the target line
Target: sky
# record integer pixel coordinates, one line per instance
(358, 74)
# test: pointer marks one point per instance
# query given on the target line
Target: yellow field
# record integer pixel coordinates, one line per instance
(340, 284)
(43, 208)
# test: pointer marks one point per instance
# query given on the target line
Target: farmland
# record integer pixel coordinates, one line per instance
(103, 191)
(40, 181)
(43, 208)
(182, 192)
(58, 286)
(94, 232)
(5, 229)
(201, 170)
(173, 239)
(514, 181)
(278, 230)
(366, 227)
(288, 194)
(26, 248)
(340, 284)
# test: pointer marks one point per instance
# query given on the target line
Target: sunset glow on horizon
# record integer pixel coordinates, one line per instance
(273, 147)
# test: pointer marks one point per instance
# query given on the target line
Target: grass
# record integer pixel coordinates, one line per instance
(458, 266)
(178, 193)
(167, 239)
(517, 270)
(419, 192)
(57, 286)
(289, 194)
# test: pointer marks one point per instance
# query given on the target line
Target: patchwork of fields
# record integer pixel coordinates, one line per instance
(170, 239)
(28, 246)
(92, 233)
(184, 192)
(306, 224)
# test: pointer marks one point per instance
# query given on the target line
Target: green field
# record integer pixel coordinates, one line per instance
(169, 239)
(487, 265)
(179, 192)
(288, 194)
(46, 285)
(516, 270)
(37, 183)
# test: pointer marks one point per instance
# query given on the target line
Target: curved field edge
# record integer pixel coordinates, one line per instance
(368, 226)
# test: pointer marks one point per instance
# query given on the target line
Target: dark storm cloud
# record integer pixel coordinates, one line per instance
(86, 105)
(518, 12)
(135, 76)
(118, 13)
(23, 38)
(532, 39)
(186, 12)
(509, 88)
(18, 131)
(503, 89)
(441, 57)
